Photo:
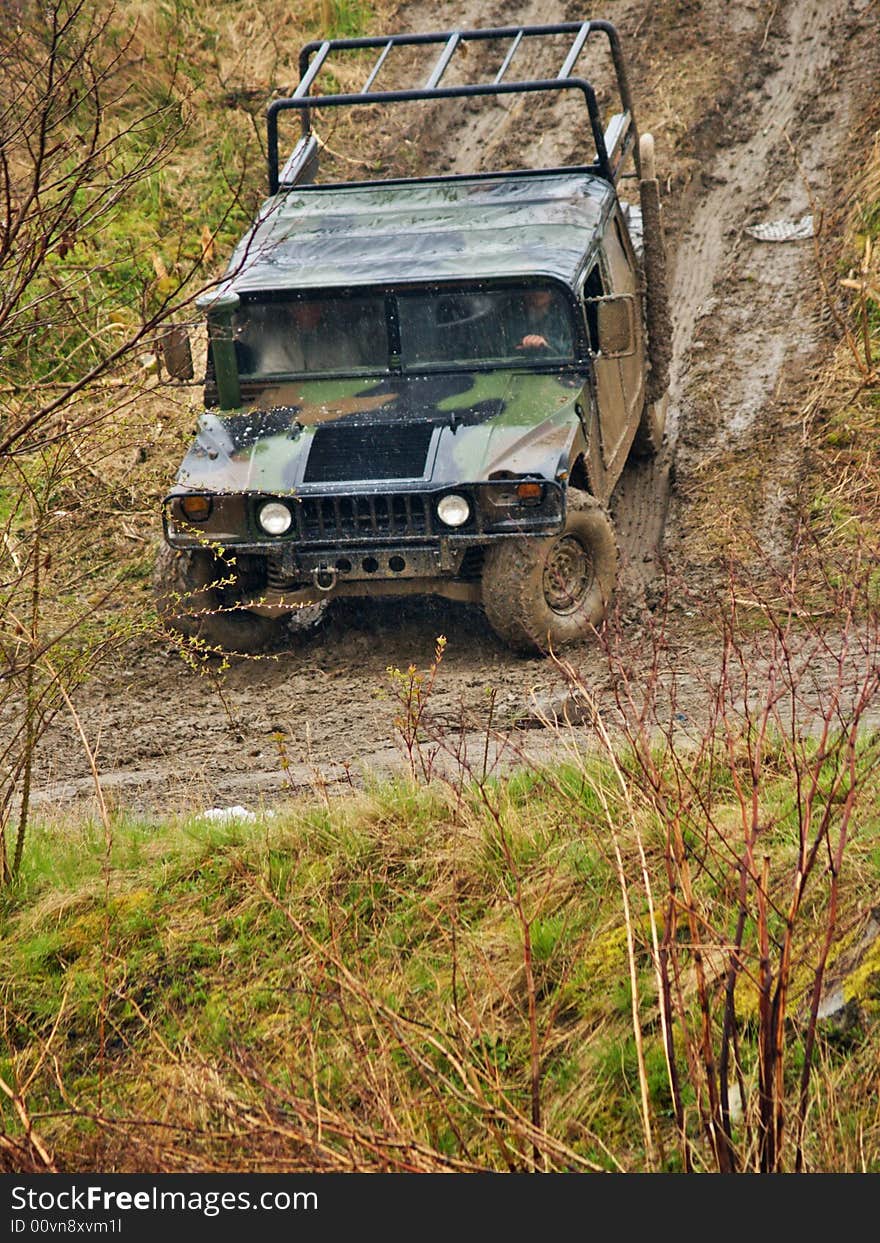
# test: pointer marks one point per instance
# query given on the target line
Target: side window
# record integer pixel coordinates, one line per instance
(594, 287)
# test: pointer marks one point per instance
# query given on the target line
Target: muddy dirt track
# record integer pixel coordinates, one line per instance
(758, 112)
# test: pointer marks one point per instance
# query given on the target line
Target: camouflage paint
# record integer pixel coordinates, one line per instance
(483, 422)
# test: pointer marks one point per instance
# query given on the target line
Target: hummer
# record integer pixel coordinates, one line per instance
(426, 385)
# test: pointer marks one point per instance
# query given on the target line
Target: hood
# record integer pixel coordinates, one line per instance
(432, 430)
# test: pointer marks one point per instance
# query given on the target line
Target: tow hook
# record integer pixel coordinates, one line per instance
(324, 578)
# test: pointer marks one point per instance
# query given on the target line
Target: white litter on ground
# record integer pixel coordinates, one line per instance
(227, 815)
(782, 230)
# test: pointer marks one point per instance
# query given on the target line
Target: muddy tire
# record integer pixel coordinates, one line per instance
(649, 433)
(540, 594)
(187, 600)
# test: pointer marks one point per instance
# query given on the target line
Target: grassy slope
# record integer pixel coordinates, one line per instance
(397, 980)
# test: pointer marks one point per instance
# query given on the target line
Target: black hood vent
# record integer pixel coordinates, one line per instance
(346, 454)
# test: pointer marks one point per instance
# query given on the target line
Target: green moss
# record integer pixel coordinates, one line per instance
(863, 984)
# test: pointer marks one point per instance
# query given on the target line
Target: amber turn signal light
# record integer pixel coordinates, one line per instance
(530, 491)
(196, 508)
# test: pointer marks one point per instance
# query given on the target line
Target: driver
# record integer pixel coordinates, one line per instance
(541, 322)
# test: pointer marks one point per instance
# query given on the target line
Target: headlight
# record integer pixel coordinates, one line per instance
(453, 510)
(274, 518)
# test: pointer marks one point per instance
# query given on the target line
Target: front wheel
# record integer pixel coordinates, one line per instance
(541, 594)
(189, 588)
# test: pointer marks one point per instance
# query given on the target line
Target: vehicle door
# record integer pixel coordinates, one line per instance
(611, 413)
(620, 384)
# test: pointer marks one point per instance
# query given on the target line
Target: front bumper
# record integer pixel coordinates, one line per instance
(359, 522)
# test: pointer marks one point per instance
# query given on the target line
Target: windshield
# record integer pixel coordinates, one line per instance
(311, 336)
(502, 325)
(407, 331)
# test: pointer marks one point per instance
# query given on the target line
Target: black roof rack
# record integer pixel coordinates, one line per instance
(612, 145)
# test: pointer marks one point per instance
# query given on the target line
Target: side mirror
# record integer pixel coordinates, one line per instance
(176, 352)
(616, 324)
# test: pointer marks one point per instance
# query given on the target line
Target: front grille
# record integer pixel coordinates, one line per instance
(343, 454)
(353, 519)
